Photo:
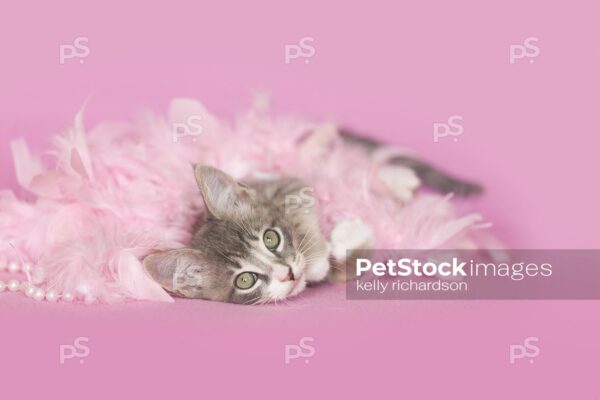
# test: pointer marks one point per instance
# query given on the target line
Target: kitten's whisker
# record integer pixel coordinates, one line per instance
(340, 268)
(243, 227)
(302, 241)
(314, 242)
(311, 259)
(311, 240)
(252, 301)
(246, 227)
(225, 256)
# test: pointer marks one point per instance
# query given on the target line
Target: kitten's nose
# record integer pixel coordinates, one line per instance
(289, 277)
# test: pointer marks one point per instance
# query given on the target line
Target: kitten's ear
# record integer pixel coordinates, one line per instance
(224, 197)
(178, 271)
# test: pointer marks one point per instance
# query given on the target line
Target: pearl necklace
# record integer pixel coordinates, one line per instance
(36, 293)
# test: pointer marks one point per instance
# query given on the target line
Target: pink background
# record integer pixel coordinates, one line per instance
(389, 70)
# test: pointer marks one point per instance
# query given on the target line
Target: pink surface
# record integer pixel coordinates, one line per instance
(530, 134)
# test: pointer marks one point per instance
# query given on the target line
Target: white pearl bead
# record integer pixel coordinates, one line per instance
(3, 264)
(31, 291)
(28, 289)
(39, 294)
(13, 267)
(2, 286)
(26, 268)
(14, 285)
(51, 296)
(67, 297)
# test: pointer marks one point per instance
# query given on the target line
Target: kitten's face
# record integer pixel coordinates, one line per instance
(247, 251)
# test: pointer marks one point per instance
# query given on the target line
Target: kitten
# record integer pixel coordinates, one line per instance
(250, 248)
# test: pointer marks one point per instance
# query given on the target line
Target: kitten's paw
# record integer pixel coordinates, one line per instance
(348, 235)
(350, 239)
(318, 270)
(400, 181)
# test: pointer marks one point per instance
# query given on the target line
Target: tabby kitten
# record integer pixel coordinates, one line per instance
(250, 247)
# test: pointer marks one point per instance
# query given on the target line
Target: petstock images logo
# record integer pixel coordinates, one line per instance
(484, 275)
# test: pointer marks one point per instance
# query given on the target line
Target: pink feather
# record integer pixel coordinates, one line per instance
(123, 190)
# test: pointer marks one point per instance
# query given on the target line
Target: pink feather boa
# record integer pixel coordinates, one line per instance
(124, 190)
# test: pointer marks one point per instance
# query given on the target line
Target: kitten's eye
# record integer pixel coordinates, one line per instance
(245, 280)
(271, 239)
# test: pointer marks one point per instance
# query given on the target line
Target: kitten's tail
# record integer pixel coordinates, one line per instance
(429, 175)
(437, 179)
